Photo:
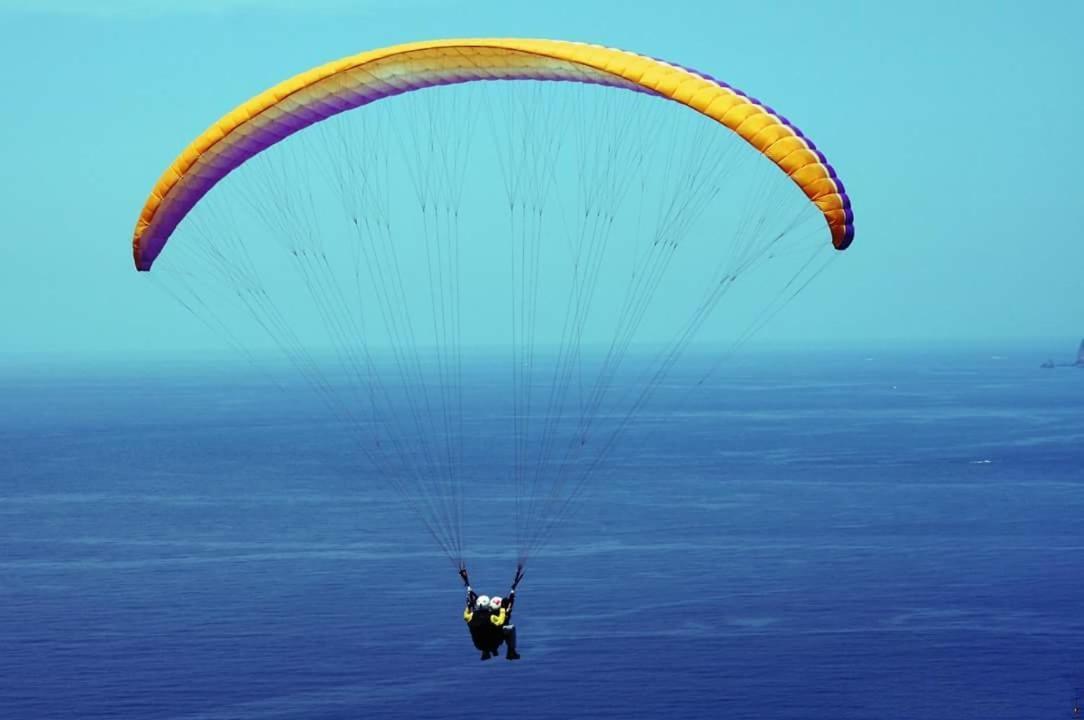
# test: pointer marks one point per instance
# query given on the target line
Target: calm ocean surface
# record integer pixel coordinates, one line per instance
(836, 537)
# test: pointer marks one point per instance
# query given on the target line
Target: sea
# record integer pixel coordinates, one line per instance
(864, 533)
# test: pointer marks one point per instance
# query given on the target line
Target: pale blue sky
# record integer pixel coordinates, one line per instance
(951, 123)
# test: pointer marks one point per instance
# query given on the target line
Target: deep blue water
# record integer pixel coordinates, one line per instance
(834, 537)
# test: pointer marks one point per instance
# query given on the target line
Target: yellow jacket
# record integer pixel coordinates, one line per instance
(499, 619)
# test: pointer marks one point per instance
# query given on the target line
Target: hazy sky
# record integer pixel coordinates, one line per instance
(952, 125)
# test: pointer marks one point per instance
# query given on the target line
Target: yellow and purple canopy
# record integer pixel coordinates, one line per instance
(360, 79)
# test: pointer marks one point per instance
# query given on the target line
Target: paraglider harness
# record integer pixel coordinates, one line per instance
(488, 630)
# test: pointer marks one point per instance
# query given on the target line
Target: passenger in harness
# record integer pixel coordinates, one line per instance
(489, 619)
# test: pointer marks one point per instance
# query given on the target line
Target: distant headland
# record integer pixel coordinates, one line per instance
(1079, 360)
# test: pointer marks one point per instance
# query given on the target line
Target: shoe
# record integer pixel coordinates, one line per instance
(512, 655)
(486, 655)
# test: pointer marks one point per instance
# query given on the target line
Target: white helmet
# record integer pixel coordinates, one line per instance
(482, 603)
(495, 604)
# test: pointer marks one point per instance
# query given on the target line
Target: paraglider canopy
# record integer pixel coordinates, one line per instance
(367, 77)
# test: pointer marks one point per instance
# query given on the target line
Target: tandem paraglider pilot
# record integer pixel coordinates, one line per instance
(489, 619)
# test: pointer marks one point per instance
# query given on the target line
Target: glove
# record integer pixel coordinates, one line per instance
(463, 575)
